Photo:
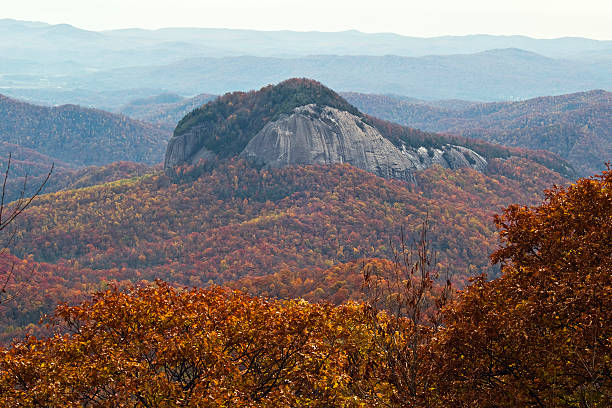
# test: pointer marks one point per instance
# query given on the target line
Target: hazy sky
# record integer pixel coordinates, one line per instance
(423, 18)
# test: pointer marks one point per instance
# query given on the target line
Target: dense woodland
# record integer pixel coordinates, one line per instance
(350, 278)
(538, 336)
(230, 222)
(577, 127)
(28, 162)
(80, 136)
(27, 176)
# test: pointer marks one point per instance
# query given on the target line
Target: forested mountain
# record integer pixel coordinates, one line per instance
(272, 231)
(80, 136)
(297, 246)
(576, 126)
(226, 125)
(300, 121)
(28, 162)
(537, 336)
(63, 178)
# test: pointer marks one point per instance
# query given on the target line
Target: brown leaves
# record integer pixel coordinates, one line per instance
(158, 346)
(541, 334)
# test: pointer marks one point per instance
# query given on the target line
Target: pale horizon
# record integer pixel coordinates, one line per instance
(543, 19)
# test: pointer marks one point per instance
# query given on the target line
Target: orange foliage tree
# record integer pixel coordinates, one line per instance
(541, 335)
(161, 347)
(538, 336)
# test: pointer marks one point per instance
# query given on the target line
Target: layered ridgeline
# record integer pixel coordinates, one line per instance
(167, 109)
(77, 136)
(577, 126)
(301, 122)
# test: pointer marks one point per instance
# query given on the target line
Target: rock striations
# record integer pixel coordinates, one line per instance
(325, 135)
(311, 133)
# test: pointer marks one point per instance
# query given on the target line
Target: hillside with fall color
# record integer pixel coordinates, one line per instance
(575, 126)
(538, 335)
(80, 136)
(225, 126)
(231, 222)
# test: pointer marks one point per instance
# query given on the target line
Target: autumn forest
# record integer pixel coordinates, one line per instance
(383, 251)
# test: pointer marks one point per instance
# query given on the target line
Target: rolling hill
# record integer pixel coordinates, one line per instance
(60, 64)
(166, 109)
(125, 46)
(80, 136)
(235, 223)
(505, 74)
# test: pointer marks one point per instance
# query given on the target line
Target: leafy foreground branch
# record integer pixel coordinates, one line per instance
(539, 336)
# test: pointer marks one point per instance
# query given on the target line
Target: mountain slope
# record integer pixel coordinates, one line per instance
(80, 136)
(508, 74)
(300, 121)
(62, 64)
(225, 125)
(495, 75)
(28, 162)
(232, 221)
(577, 126)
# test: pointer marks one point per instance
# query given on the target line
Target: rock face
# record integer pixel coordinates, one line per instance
(312, 134)
(185, 149)
(325, 135)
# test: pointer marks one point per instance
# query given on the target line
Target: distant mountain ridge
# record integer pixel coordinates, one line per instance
(494, 75)
(286, 43)
(166, 109)
(576, 126)
(63, 64)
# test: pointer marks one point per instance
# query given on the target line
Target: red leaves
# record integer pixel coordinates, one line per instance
(537, 336)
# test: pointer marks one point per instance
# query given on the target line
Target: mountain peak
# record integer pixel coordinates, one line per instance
(302, 122)
(225, 126)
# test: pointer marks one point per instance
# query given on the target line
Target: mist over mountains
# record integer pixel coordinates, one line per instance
(58, 64)
(221, 42)
(324, 223)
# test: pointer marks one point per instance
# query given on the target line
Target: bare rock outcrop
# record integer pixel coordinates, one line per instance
(325, 135)
(185, 149)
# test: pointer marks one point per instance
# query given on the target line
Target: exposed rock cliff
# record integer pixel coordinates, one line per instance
(225, 126)
(300, 122)
(325, 135)
(185, 149)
